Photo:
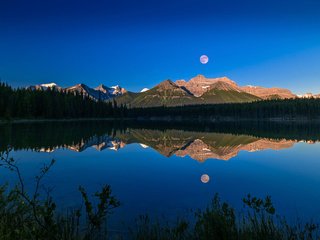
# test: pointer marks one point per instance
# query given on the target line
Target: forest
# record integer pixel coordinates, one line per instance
(281, 109)
(52, 104)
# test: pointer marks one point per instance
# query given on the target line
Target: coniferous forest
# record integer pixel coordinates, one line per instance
(281, 109)
(52, 104)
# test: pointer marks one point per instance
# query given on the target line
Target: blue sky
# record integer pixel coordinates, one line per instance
(137, 44)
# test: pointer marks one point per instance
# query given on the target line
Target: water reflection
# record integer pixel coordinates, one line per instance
(199, 144)
(148, 160)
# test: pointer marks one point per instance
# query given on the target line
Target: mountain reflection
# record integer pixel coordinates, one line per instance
(203, 143)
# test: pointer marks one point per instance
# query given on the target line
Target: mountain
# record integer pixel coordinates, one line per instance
(200, 84)
(223, 92)
(309, 95)
(45, 86)
(269, 93)
(167, 93)
(198, 90)
(101, 92)
(144, 89)
(111, 91)
(87, 91)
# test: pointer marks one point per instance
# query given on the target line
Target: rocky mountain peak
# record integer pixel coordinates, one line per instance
(225, 86)
(102, 88)
(199, 84)
(267, 93)
(167, 84)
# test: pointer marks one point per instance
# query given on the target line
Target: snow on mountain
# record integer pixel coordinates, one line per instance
(109, 92)
(45, 86)
(144, 90)
(49, 85)
(117, 90)
(308, 95)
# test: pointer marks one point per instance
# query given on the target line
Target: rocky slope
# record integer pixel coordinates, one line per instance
(199, 85)
(167, 93)
(269, 93)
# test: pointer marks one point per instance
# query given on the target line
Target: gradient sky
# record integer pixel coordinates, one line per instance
(139, 43)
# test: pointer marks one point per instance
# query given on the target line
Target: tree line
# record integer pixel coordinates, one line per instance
(53, 104)
(298, 108)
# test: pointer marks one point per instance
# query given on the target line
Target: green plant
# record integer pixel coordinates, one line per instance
(96, 218)
(32, 216)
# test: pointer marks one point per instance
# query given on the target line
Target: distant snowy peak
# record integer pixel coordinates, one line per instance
(308, 95)
(45, 86)
(111, 91)
(144, 90)
(101, 92)
(49, 85)
(117, 90)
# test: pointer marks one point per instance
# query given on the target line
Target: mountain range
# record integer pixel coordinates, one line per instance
(101, 92)
(198, 90)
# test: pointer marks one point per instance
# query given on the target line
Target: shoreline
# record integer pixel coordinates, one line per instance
(165, 119)
(58, 120)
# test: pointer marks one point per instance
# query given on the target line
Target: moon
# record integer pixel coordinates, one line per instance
(205, 178)
(204, 59)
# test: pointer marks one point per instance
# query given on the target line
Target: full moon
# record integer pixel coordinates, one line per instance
(204, 59)
(205, 178)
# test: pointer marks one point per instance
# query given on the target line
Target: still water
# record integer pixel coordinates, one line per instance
(166, 170)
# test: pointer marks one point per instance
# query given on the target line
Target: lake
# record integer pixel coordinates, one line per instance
(168, 169)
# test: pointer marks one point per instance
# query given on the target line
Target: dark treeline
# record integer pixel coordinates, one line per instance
(52, 104)
(298, 108)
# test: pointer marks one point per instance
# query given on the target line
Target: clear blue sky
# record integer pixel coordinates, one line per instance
(137, 43)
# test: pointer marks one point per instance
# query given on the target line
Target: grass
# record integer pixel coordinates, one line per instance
(34, 215)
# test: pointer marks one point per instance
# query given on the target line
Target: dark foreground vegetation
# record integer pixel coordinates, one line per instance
(52, 104)
(35, 216)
